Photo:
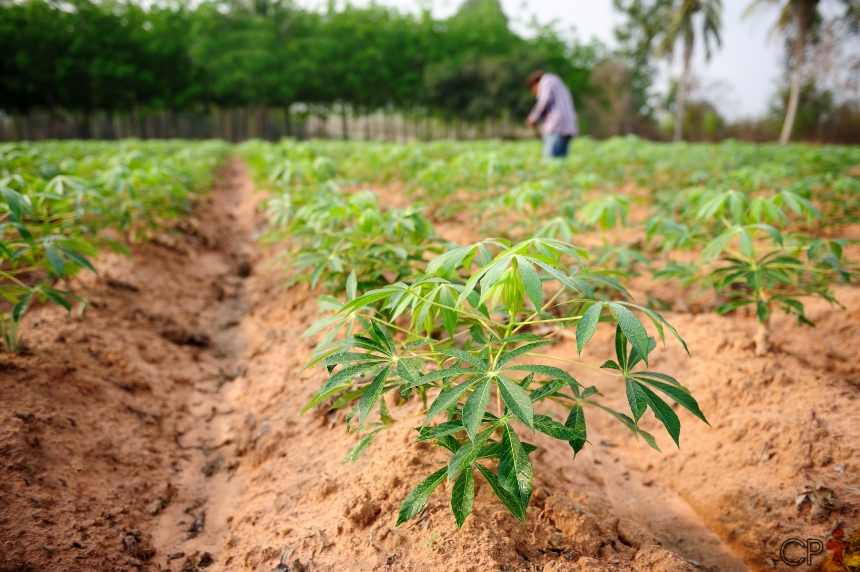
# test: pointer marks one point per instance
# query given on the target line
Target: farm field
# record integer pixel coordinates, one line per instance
(217, 357)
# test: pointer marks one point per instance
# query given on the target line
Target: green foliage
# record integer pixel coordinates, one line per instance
(484, 347)
(464, 334)
(56, 199)
(454, 331)
(83, 56)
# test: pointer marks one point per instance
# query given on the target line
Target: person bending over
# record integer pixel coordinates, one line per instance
(554, 110)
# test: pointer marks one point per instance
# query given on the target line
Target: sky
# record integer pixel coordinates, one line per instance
(740, 79)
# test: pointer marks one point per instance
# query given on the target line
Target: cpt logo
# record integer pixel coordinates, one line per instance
(795, 551)
(845, 553)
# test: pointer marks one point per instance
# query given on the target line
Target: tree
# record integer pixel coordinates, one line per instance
(636, 35)
(801, 13)
(681, 26)
(804, 17)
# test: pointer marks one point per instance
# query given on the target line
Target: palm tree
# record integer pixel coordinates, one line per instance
(681, 26)
(803, 14)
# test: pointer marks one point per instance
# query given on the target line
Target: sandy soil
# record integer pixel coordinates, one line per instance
(161, 431)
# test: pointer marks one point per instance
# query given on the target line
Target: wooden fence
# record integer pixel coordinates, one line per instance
(240, 124)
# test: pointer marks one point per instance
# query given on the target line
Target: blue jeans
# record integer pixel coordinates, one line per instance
(555, 145)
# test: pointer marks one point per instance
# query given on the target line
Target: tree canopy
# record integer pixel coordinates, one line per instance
(87, 55)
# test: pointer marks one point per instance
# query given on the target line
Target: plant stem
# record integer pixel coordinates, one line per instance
(762, 343)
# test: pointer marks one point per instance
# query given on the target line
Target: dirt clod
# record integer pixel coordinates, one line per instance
(363, 512)
(136, 546)
(197, 561)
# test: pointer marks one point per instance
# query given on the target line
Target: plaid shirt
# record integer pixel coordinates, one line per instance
(554, 107)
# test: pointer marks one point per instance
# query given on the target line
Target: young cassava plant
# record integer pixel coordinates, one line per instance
(461, 339)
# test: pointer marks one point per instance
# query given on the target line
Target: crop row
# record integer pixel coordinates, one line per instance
(412, 317)
(62, 202)
(753, 217)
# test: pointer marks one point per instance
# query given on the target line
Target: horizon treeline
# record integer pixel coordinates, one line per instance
(85, 56)
(267, 68)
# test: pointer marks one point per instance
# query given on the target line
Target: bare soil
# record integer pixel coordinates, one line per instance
(160, 430)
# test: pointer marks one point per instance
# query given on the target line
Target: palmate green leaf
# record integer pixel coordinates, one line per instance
(117, 247)
(59, 297)
(368, 299)
(661, 377)
(364, 343)
(478, 334)
(649, 438)
(517, 352)
(419, 343)
(576, 421)
(634, 358)
(493, 450)
(608, 281)
(526, 337)
(468, 452)
(636, 398)
(517, 400)
(17, 203)
(515, 468)
(347, 398)
(336, 382)
(417, 497)
(463, 496)
(527, 382)
(445, 265)
(475, 407)
(350, 357)
(589, 391)
(441, 430)
(493, 278)
(446, 313)
(546, 370)
(452, 372)
(465, 356)
(587, 325)
(571, 283)
(548, 389)
(511, 501)
(21, 307)
(549, 426)
(371, 395)
(497, 267)
(79, 259)
(447, 398)
(531, 282)
(357, 451)
(54, 258)
(383, 336)
(680, 395)
(351, 286)
(449, 443)
(408, 369)
(664, 413)
(632, 328)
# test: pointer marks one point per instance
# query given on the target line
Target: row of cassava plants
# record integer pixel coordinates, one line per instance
(57, 200)
(752, 253)
(443, 174)
(759, 239)
(457, 333)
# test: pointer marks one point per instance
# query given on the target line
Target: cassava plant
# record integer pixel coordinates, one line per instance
(57, 198)
(461, 341)
(747, 258)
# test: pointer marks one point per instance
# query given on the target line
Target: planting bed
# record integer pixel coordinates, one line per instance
(161, 430)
